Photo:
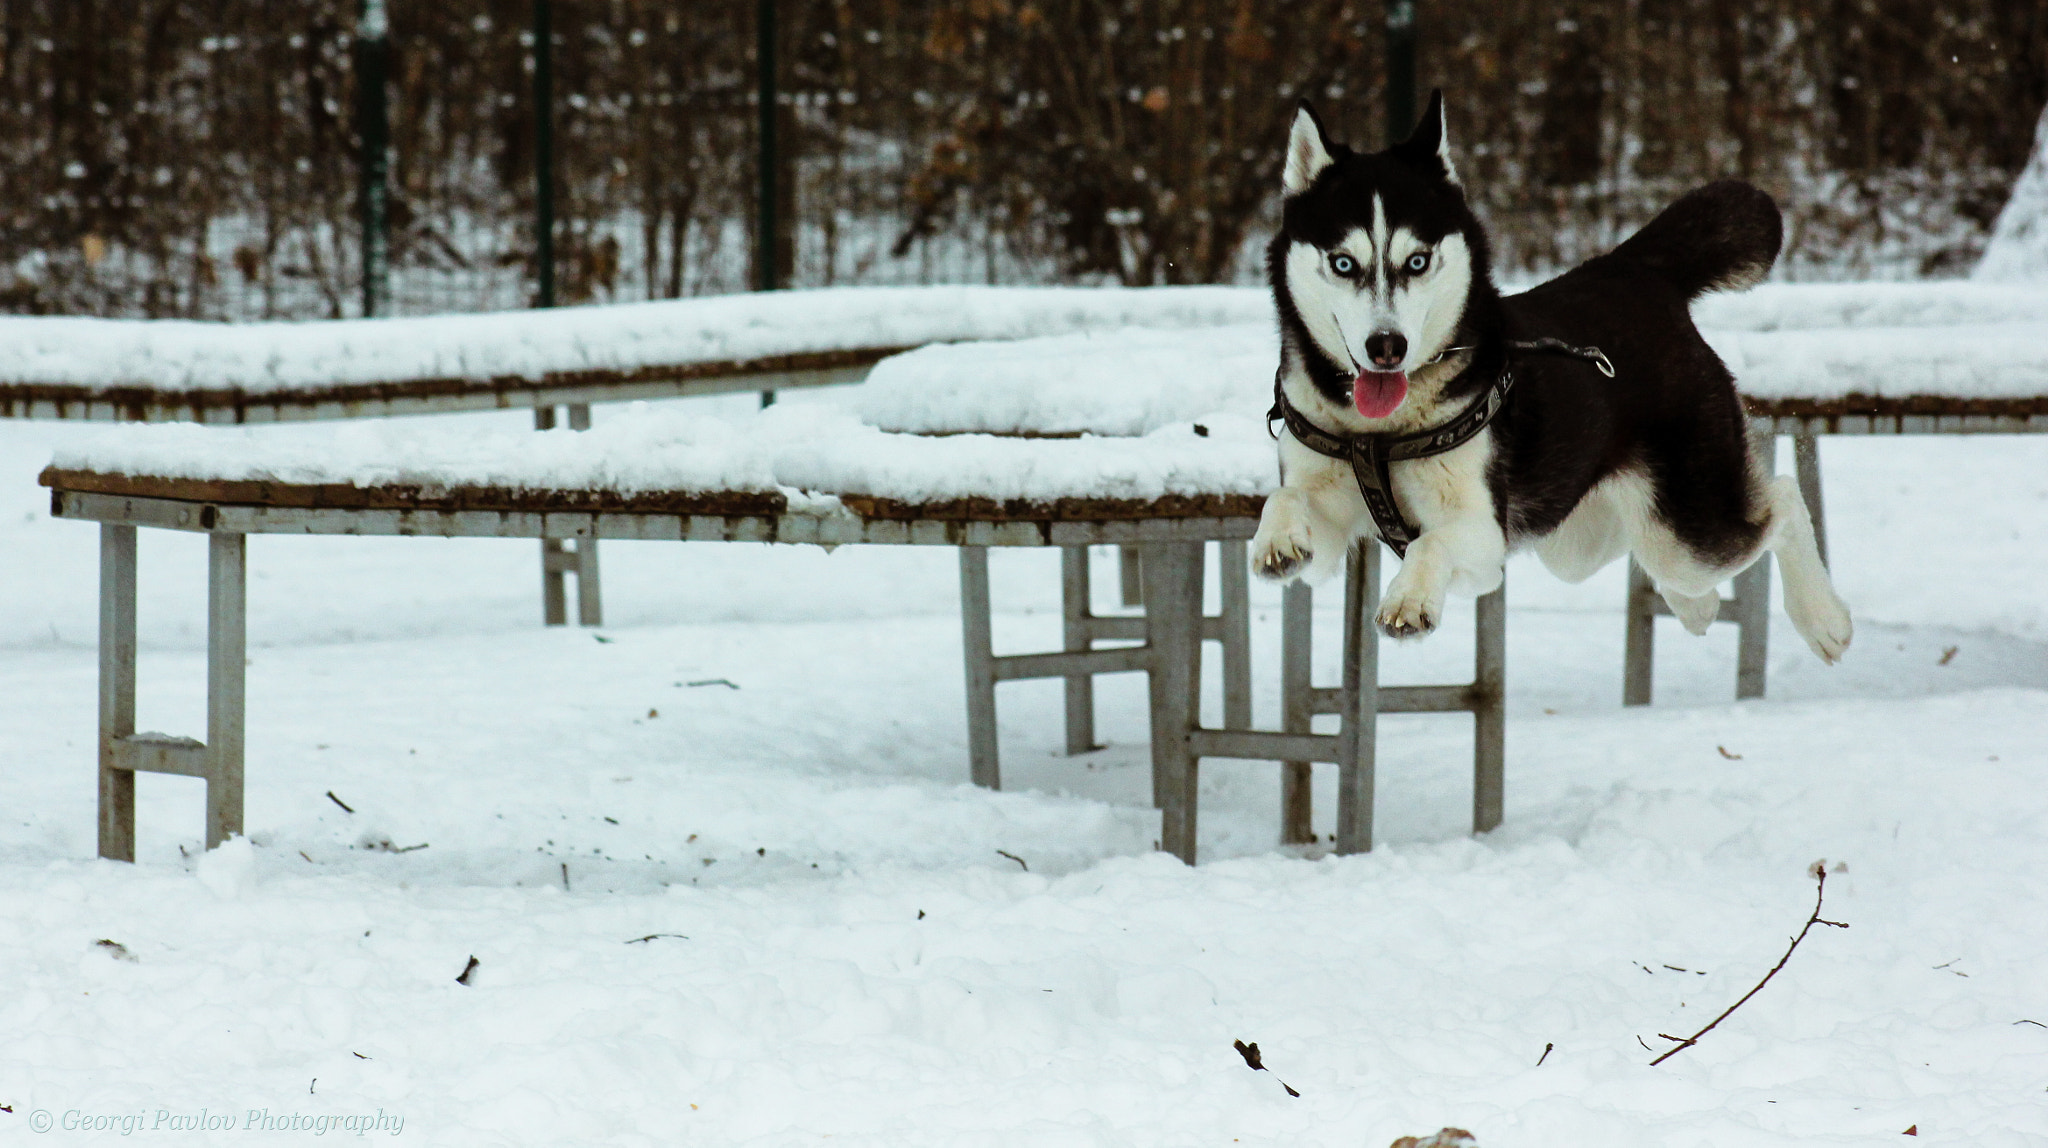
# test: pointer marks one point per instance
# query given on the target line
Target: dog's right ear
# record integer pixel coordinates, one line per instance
(1308, 151)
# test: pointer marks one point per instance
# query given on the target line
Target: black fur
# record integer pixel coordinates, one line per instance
(1671, 410)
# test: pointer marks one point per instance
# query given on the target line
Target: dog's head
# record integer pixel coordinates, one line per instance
(1376, 258)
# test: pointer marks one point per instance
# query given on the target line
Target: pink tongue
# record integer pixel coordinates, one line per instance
(1377, 393)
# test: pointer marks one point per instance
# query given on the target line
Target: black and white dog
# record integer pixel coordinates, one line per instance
(1392, 331)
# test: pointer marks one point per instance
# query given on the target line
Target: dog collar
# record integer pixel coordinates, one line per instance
(1371, 455)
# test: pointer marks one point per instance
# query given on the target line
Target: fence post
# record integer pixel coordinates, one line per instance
(1400, 70)
(544, 152)
(766, 248)
(373, 125)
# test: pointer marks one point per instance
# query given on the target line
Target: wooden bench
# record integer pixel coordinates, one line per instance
(199, 484)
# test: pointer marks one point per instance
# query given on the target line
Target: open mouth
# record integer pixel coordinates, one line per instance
(1377, 393)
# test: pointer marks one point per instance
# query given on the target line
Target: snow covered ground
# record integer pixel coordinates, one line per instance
(725, 884)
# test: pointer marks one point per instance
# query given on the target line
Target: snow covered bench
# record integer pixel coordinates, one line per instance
(790, 474)
(172, 370)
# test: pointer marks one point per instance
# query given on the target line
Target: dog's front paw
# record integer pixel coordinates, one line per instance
(1407, 616)
(1278, 555)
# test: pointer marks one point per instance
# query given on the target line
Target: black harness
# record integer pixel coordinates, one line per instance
(1371, 455)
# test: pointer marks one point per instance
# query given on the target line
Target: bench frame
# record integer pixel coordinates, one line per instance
(1167, 542)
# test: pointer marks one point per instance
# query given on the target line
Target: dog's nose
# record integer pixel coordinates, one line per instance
(1386, 349)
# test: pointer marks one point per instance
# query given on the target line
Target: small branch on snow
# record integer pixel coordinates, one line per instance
(1250, 1052)
(1017, 859)
(338, 801)
(468, 969)
(1547, 1046)
(2035, 1023)
(652, 936)
(1820, 874)
(714, 682)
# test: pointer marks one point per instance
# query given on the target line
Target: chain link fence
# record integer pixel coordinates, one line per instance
(202, 158)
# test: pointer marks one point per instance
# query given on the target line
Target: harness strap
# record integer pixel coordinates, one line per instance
(1371, 454)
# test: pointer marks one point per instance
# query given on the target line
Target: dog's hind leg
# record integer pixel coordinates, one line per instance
(1594, 534)
(1817, 612)
(1689, 584)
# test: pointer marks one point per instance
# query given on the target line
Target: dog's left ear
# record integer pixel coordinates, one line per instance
(1429, 141)
(1308, 151)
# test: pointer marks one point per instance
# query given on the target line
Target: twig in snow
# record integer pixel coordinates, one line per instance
(1250, 1052)
(338, 801)
(1645, 1044)
(1017, 859)
(1948, 654)
(714, 682)
(652, 936)
(1730, 756)
(565, 876)
(1547, 1046)
(1820, 874)
(309, 1087)
(2035, 1023)
(357, 1055)
(468, 969)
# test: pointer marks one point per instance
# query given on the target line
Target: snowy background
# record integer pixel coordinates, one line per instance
(762, 759)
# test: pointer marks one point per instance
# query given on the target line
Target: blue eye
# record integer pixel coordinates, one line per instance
(1343, 265)
(1418, 263)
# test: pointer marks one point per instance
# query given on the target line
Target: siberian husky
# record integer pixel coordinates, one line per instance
(1392, 330)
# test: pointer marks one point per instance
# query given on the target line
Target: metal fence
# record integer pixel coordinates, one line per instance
(208, 158)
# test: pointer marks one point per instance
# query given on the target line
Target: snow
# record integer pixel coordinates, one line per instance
(670, 452)
(269, 357)
(2018, 249)
(1111, 383)
(725, 883)
(2005, 360)
(1800, 306)
(810, 447)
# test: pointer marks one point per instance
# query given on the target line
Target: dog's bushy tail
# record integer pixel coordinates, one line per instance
(1721, 237)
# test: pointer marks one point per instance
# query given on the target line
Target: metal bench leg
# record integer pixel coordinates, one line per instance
(117, 689)
(1173, 611)
(226, 654)
(1130, 582)
(1489, 714)
(589, 602)
(1640, 645)
(1359, 736)
(1753, 597)
(1753, 610)
(1234, 576)
(1806, 465)
(1297, 707)
(1074, 613)
(559, 557)
(979, 650)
